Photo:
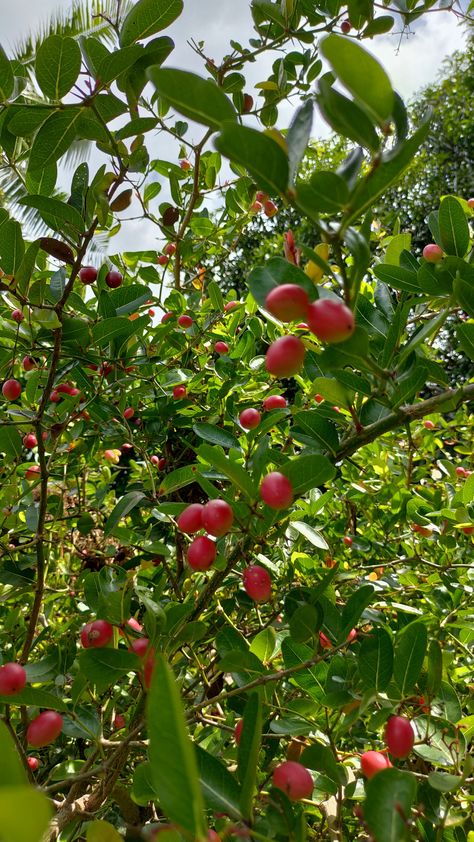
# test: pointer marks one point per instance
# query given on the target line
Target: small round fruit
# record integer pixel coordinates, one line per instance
(141, 647)
(274, 402)
(399, 736)
(32, 473)
(201, 553)
(88, 274)
(230, 306)
(331, 321)
(119, 721)
(149, 670)
(11, 390)
(433, 253)
(33, 763)
(30, 441)
(190, 520)
(185, 321)
(318, 398)
(217, 517)
(166, 317)
(28, 363)
(287, 302)
(256, 207)
(221, 348)
(428, 425)
(285, 356)
(348, 540)
(163, 260)
(346, 26)
(162, 464)
(372, 762)
(324, 641)
(269, 208)
(12, 679)
(257, 583)
(170, 249)
(97, 633)
(276, 491)
(238, 731)
(44, 729)
(113, 279)
(179, 392)
(185, 165)
(250, 418)
(248, 103)
(129, 412)
(17, 316)
(294, 779)
(460, 471)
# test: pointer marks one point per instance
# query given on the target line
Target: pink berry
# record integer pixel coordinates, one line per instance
(163, 260)
(217, 517)
(250, 418)
(185, 321)
(433, 253)
(134, 624)
(346, 26)
(119, 721)
(141, 647)
(221, 348)
(294, 779)
(285, 356)
(30, 441)
(318, 398)
(190, 520)
(372, 762)
(32, 473)
(230, 306)
(44, 729)
(201, 553)
(185, 165)
(28, 363)
(348, 540)
(170, 249)
(12, 679)
(238, 731)
(129, 412)
(428, 425)
(155, 460)
(33, 763)
(257, 583)
(274, 402)
(287, 302)
(97, 633)
(179, 392)
(324, 641)
(269, 208)
(166, 317)
(17, 316)
(276, 491)
(331, 321)
(88, 274)
(399, 736)
(11, 390)
(113, 279)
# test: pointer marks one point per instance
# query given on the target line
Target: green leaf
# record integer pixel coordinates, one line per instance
(361, 74)
(376, 660)
(7, 80)
(216, 457)
(12, 247)
(173, 763)
(54, 137)
(388, 803)
(397, 277)
(332, 391)
(346, 118)
(143, 790)
(468, 489)
(216, 435)
(311, 535)
(378, 26)
(321, 758)
(147, 17)
(179, 479)
(104, 667)
(199, 99)
(124, 506)
(10, 442)
(12, 772)
(325, 192)
(307, 472)
(102, 831)
(435, 668)
(117, 327)
(277, 271)
(409, 386)
(298, 137)
(352, 611)
(304, 623)
(453, 227)
(58, 62)
(312, 680)
(263, 644)
(113, 65)
(410, 650)
(310, 427)
(24, 814)
(443, 782)
(395, 247)
(249, 748)
(463, 291)
(220, 789)
(36, 696)
(262, 156)
(58, 212)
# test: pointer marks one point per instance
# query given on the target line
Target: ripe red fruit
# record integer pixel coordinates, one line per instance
(248, 103)
(331, 321)
(201, 553)
(28, 363)
(276, 491)
(399, 736)
(184, 164)
(113, 279)
(238, 731)
(88, 274)
(12, 679)
(250, 418)
(166, 317)
(119, 722)
(294, 779)
(287, 302)
(230, 306)
(348, 540)
(149, 669)
(44, 729)
(11, 390)
(155, 460)
(257, 583)
(129, 412)
(33, 763)
(97, 633)
(190, 520)
(460, 471)
(163, 260)
(162, 464)
(17, 316)
(428, 425)
(470, 203)
(170, 249)
(433, 253)
(32, 473)
(134, 624)
(30, 441)
(221, 347)
(261, 196)
(217, 517)
(274, 402)
(141, 647)
(318, 398)
(285, 356)
(345, 26)
(256, 207)
(324, 641)
(468, 530)
(372, 762)
(269, 208)
(185, 321)
(179, 392)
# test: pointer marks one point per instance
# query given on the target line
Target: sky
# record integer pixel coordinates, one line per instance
(412, 61)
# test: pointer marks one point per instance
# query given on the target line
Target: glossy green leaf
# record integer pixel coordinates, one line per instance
(103, 667)
(220, 789)
(306, 472)
(379, 26)
(216, 435)
(352, 611)
(123, 507)
(464, 293)
(397, 277)
(298, 136)
(58, 212)
(36, 696)
(197, 98)
(12, 247)
(263, 644)
(361, 74)
(7, 81)
(465, 335)
(58, 62)
(435, 667)
(313, 679)
(102, 831)
(304, 623)
(54, 137)
(375, 660)
(346, 117)
(410, 650)
(388, 803)
(12, 772)
(276, 271)
(179, 478)
(147, 17)
(173, 762)
(216, 457)
(248, 753)
(143, 789)
(325, 192)
(315, 538)
(261, 156)
(311, 428)
(321, 758)
(332, 391)
(25, 814)
(10, 442)
(453, 227)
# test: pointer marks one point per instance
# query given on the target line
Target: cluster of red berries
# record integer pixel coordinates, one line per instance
(399, 739)
(168, 251)
(88, 275)
(263, 202)
(46, 726)
(216, 518)
(250, 418)
(99, 633)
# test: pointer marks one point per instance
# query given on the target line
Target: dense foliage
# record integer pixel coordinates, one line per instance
(236, 540)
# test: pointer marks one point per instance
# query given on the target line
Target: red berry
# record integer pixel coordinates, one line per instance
(217, 517)
(113, 279)
(274, 402)
(250, 418)
(179, 392)
(28, 363)
(372, 762)
(184, 164)
(134, 624)
(345, 26)
(294, 779)
(324, 641)
(276, 491)
(162, 464)
(287, 302)
(185, 321)
(155, 460)
(428, 425)
(318, 398)
(141, 647)
(44, 729)
(129, 412)
(163, 260)
(12, 679)
(285, 356)
(201, 553)
(151, 312)
(248, 104)
(230, 306)
(88, 274)
(30, 441)
(190, 520)
(468, 530)
(348, 540)
(11, 390)
(331, 321)
(97, 633)
(256, 207)
(170, 249)
(166, 317)
(257, 583)
(352, 635)
(433, 253)
(221, 347)
(238, 731)
(119, 722)
(261, 196)
(460, 471)
(149, 669)
(470, 203)
(33, 763)
(399, 736)
(32, 473)
(17, 316)
(269, 208)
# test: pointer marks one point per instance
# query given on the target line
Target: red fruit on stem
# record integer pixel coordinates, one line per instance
(274, 402)
(294, 779)
(11, 390)
(399, 736)
(287, 302)
(155, 460)
(217, 517)
(372, 762)
(269, 208)
(88, 274)
(221, 348)
(331, 321)
(230, 306)
(113, 279)
(162, 464)
(346, 26)
(28, 363)
(129, 412)
(184, 164)
(185, 321)
(250, 418)
(190, 520)
(32, 473)
(248, 104)
(163, 260)
(30, 441)
(348, 540)
(201, 553)
(318, 398)
(261, 196)
(148, 671)
(276, 491)
(285, 356)
(97, 633)
(238, 731)
(44, 729)
(256, 207)
(433, 253)
(428, 425)
(179, 392)
(119, 721)
(470, 203)
(170, 249)
(166, 317)
(12, 679)
(33, 763)
(134, 624)
(141, 647)
(257, 583)
(324, 641)
(17, 316)
(460, 471)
